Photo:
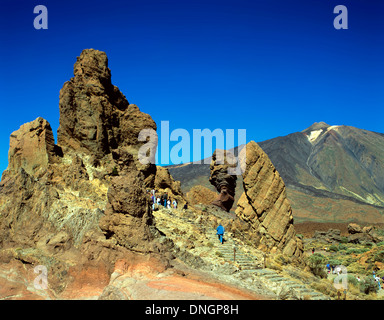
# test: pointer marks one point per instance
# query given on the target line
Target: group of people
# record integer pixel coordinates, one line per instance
(163, 200)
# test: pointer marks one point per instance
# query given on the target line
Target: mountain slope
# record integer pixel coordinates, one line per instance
(342, 160)
(332, 173)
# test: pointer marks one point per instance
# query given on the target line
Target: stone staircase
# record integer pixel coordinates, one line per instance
(231, 251)
(275, 281)
(253, 267)
(280, 283)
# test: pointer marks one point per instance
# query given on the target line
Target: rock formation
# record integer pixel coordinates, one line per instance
(363, 235)
(32, 148)
(95, 116)
(264, 204)
(201, 195)
(330, 236)
(222, 180)
(164, 183)
(81, 203)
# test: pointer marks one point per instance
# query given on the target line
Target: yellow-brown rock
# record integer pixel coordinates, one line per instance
(201, 195)
(264, 204)
(31, 147)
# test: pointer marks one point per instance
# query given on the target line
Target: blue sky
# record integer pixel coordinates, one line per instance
(270, 67)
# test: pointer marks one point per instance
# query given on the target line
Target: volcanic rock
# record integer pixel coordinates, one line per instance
(222, 179)
(201, 195)
(128, 213)
(362, 235)
(354, 228)
(32, 147)
(264, 204)
(81, 204)
(330, 236)
(95, 117)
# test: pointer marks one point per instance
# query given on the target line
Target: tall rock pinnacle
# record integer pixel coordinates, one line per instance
(224, 182)
(95, 117)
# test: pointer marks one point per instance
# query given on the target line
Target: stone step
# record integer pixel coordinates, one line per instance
(264, 271)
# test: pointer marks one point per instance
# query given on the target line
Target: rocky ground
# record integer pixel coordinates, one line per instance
(235, 261)
(360, 249)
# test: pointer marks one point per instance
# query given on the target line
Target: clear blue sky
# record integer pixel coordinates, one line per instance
(271, 67)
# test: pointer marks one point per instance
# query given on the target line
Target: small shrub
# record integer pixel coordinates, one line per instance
(114, 172)
(344, 239)
(352, 280)
(379, 256)
(316, 263)
(368, 285)
(219, 254)
(356, 250)
(324, 287)
(333, 248)
(334, 262)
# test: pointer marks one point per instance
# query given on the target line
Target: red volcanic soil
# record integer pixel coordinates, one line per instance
(135, 278)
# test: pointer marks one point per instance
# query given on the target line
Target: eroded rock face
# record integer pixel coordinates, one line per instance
(223, 180)
(32, 147)
(128, 214)
(264, 204)
(201, 195)
(95, 117)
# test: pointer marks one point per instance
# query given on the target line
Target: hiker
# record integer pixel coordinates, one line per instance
(328, 268)
(169, 204)
(220, 233)
(158, 200)
(313, 250)
(174, 204)
(165, 199)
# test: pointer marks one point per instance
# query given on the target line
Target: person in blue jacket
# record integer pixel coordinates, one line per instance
(220, 233)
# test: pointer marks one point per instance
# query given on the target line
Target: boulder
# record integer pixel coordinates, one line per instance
(330, 236)
(362, 235)
(201, 195)
(354, 228)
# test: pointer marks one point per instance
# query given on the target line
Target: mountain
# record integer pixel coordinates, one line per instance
(332, 173)
(342, 160)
